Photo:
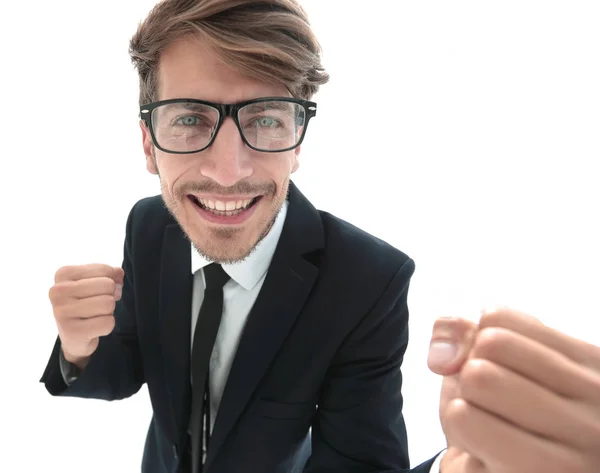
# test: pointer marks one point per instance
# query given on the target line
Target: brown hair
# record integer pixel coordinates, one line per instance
(270, 40)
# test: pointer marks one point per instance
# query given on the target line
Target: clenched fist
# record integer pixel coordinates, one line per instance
(517, 396)
(83, 301)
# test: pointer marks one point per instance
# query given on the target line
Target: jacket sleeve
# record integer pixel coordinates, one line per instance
(114, 370)
(359, 426)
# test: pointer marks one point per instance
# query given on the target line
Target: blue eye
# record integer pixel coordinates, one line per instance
(189, 120)
(266, 122)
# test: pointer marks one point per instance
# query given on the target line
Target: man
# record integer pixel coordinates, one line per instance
(270, 334)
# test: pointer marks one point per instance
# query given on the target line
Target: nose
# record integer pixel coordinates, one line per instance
(228, 160)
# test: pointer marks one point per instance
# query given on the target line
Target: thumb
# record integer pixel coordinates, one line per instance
(451, 342)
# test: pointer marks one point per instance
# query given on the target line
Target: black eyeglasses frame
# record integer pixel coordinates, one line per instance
(227, 110)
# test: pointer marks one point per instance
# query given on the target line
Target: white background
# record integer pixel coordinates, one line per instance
(465, 133)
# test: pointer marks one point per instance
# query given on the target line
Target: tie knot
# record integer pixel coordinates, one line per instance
(215, 276)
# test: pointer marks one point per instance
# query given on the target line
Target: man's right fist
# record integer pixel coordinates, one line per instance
(83, 301)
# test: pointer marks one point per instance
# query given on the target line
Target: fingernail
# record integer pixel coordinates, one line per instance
(441, 354)
(118, 291)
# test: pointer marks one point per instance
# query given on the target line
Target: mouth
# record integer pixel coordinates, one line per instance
(225, 211)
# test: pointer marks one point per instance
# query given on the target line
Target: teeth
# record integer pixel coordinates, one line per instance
(225, 206)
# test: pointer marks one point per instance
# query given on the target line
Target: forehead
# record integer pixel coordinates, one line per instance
(189, 69)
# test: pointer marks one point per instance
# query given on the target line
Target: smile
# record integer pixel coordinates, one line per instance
(234, 211)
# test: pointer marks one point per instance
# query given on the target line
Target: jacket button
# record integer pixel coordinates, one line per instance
(175, 453)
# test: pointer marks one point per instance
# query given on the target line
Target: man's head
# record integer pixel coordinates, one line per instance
(225, 171)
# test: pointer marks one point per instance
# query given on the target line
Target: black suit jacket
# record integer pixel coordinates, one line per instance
(322, 349)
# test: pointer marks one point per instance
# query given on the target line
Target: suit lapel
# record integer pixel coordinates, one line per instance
(288, 282)
(175, 324)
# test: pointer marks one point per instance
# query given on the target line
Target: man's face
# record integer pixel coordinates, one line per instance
(226, 175)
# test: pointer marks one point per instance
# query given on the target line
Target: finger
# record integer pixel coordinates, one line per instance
(83, 288)
(462, 462)
(521, 402)
(450, 344)
(577, 350)
(450, 390)
(537, 362)
(118, 275)
(89, 329)
(497, 443)
(474, 465)
(87, 308)
(75, 273)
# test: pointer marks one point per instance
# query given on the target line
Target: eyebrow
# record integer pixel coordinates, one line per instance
(281, 105)
(188, 106)
(195, 106)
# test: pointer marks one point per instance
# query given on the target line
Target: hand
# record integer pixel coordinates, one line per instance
(518, 397)
(83, 301)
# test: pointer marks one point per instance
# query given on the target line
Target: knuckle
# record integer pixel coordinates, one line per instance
(457, 413)
(99, 286)
(103, 270)
(105, 304)
(106, 286)
(491, 340)
(109, 284)
(61, 312)
(476, 375)
(106, 269)
(53, 293)
(86, 330)
(492, 318)
(64, 327)
(62, 273)
(59, 291)
(110, 304)
(108, 325)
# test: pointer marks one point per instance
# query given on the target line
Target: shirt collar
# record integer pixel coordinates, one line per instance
(248, 272)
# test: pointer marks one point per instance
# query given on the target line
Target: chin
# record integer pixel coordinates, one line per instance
(224, 243)
(220, 246)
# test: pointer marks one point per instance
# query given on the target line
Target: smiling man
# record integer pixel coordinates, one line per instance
(270, 334)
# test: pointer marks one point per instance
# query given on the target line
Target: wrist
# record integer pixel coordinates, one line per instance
(79, 361)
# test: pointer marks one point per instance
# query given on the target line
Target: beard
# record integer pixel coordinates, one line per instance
(224, 245)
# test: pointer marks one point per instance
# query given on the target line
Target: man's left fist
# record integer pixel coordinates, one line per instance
(517, 397)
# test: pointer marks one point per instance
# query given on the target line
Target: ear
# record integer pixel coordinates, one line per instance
(296, 163)
(148, 148)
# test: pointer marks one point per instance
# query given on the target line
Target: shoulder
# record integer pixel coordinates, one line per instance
(355, 260)
(148, 218)
(151, 208)
(358, 247)
(150, 211)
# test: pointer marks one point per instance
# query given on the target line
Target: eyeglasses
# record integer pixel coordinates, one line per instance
(269, 124)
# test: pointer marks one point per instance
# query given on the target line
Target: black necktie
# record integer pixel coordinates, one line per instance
(205, 334)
